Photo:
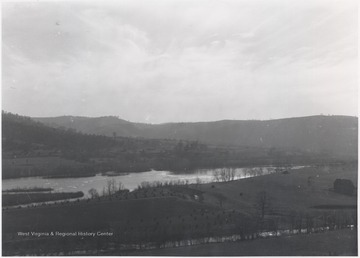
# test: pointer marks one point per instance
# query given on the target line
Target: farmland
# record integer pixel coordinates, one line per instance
(161, 215)
(297, 190)
(195, 211)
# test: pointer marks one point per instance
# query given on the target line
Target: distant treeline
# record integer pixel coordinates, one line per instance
(66, 153)
(20, 132)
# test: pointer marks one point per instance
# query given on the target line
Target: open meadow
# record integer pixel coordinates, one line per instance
(296, 190)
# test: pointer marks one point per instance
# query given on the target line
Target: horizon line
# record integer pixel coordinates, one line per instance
(182, 122)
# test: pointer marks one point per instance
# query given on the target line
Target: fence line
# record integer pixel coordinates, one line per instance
(214, 239)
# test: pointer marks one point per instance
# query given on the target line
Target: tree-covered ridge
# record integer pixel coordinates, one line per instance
(335, 135)
(23, 132)
(33, 149)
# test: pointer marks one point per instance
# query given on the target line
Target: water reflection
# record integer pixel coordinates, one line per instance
(129, 180)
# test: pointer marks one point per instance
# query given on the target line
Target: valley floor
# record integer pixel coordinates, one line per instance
(171, 213)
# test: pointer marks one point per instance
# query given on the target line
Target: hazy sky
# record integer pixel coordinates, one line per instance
(180, 60)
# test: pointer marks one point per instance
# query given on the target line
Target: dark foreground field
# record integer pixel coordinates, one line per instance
(340, 242)
(159, 217)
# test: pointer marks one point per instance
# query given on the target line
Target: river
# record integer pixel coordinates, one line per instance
(129, 180)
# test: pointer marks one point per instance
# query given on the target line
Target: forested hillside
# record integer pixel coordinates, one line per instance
(31, 148)
(333, 135)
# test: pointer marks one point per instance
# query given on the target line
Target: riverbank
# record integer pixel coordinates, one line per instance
(28, 189)
(185, 212)
(27, 198)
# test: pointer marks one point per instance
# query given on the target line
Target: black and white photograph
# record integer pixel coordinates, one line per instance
(179, 127)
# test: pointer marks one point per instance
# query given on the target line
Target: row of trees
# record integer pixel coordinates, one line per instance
(157, 184)
(111, 188)
(230, 174)
(224, 174)
(300, 221)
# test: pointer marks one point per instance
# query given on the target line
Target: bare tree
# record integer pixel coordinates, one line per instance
(224, 175)
(121, 186)
(198, 181)
(247, 172)
(299, 222)
(292, 220)
(309, 223)
(278, 169)
(144, 185)
(93, 193)
(110, 187)
(258, 171)
(232, 174)
(227, 174)
(262, 203)
(216, 175)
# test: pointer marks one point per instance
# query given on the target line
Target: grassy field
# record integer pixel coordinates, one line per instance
(131, 221)
(340, 242)
(187, 212)
(298, 191)
(93, 215)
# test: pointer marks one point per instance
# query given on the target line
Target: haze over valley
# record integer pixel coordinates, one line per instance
(180, 128)
(330, 134)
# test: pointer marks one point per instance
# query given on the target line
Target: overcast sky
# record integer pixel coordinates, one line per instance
(164, 61)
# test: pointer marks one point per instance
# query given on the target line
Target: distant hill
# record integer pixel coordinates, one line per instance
(334, 135)
(21, 132)
(26, 134)
(72, 146)
(30, 148)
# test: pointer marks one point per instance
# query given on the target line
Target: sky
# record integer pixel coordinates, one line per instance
(157, 61)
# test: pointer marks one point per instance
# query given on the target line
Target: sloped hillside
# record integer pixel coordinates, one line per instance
(20, 132)
(334, 135)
